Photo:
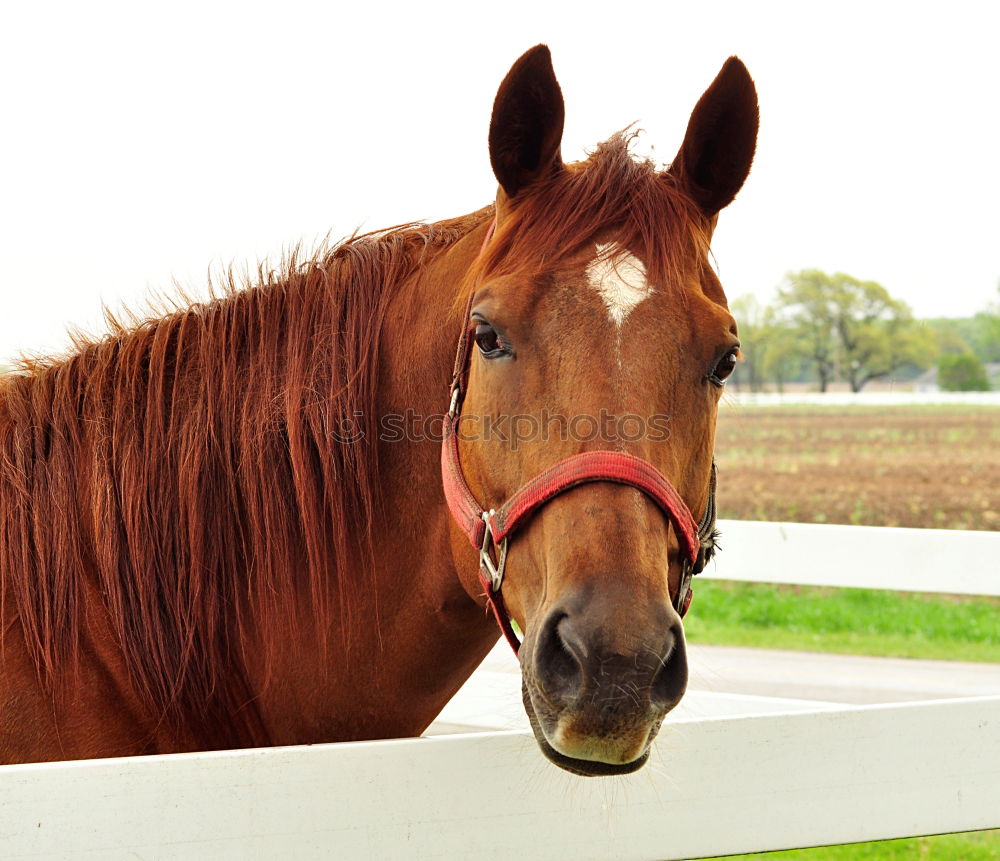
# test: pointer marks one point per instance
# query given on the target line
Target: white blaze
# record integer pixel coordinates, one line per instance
(619, 279)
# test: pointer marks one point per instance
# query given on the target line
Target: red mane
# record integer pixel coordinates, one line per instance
(188, 468)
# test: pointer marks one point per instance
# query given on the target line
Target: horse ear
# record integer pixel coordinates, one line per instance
(527, 124)
(721, 137)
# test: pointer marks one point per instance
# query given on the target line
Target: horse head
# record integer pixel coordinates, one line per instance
(596, 324)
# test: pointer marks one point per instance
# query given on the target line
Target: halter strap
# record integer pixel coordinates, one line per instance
(589, 466)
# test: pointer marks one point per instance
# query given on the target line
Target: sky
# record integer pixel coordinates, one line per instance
(144, 145)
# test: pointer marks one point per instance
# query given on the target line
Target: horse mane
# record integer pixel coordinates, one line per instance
(612, 190)
(189, 468)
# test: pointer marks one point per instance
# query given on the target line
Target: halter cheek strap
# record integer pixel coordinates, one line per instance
(490, 531)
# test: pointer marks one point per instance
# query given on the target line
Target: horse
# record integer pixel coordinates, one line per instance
(285, 514)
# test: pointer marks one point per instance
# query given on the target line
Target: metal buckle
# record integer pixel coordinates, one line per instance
(683, 588)
(494, 569)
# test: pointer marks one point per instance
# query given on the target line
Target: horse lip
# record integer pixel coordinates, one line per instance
(588, 767)
(580, 767)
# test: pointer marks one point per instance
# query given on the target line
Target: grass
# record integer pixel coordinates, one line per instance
(971, 846)
(848, 621)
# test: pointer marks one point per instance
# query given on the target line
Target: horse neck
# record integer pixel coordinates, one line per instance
(229, 499)
(409, 632)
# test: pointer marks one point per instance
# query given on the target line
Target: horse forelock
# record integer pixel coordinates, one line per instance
(189, 469)
(612, 193)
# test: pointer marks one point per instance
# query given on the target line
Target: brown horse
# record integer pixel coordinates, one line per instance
(225, 527)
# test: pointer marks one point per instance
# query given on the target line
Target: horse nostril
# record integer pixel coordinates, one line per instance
(558, 657)
(671, 679)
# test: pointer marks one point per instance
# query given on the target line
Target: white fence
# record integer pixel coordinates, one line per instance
(713, 786)
(949, 561)
(860, 399)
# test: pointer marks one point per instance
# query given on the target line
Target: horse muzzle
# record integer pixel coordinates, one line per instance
(596, 689)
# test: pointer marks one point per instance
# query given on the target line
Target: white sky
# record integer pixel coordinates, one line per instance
(144, 142)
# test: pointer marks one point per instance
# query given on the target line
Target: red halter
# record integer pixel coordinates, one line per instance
(489, 531)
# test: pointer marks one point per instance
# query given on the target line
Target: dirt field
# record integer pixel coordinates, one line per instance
(873, 466)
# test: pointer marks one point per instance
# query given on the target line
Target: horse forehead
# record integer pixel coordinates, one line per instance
(619, 278)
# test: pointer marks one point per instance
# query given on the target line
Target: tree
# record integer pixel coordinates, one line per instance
(769, 348)
(952, 334)
(962, 372)
(783, 353)
(986, 335)
(881, 347)
(979, 334)
(986, 332)
(854, 327)
(912, 345)
(749, 318)
(808, 296)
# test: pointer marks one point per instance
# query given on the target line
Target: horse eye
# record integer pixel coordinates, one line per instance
(490, 344)
(724, 367)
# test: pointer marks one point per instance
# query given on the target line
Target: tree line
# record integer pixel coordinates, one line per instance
(823, 328)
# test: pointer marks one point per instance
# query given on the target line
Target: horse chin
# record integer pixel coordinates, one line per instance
(580, 767)
(588, 767)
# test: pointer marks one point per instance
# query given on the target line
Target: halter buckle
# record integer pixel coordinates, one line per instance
(453, 406)
(494, 569)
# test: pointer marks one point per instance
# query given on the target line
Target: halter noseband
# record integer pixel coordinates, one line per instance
(490, 531)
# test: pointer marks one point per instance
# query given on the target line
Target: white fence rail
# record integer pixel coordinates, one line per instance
(860, 399)
(715, 786)
(950, 561)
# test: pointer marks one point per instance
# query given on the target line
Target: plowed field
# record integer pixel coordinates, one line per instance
(871, 466)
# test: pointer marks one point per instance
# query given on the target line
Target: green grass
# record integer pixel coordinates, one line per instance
(972, 846)
(848, 621)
